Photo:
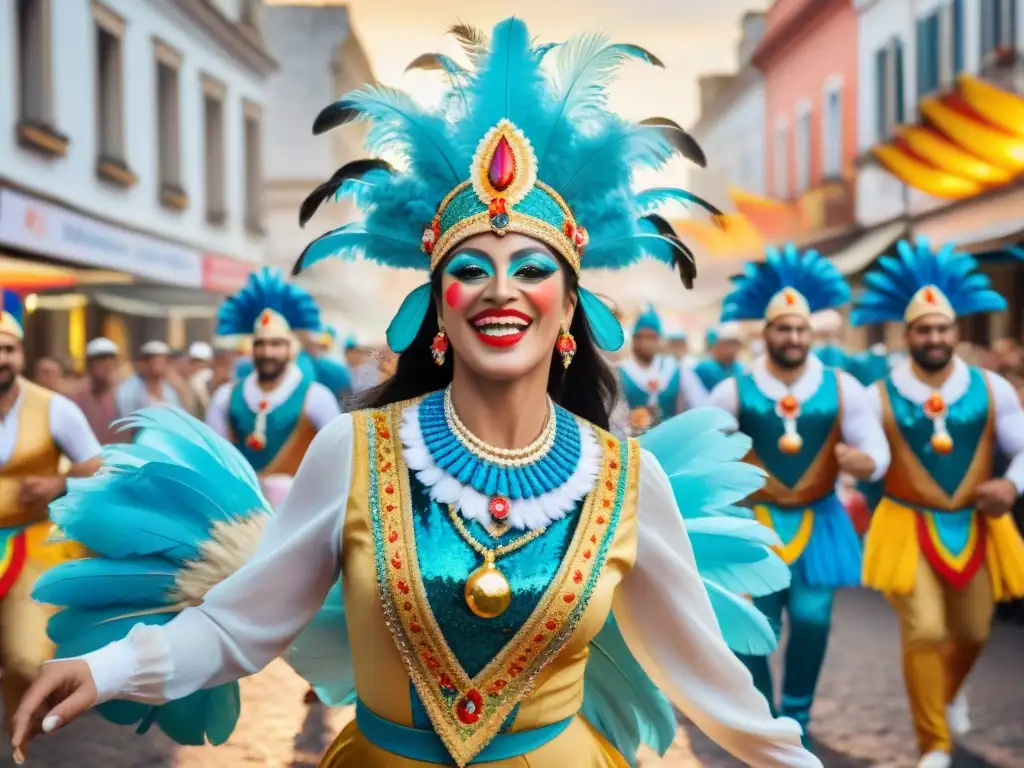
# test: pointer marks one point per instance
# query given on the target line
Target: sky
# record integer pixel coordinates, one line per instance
(692, 37)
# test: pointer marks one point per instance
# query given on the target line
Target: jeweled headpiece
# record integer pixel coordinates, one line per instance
(920, 281)
(11, 315)
(511, 149)
(787, 282)
(266, 307)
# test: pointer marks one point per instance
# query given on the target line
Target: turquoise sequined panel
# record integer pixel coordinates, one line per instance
(965, 422)
(537, 203)
(638, 397)
(711, 373)
(281, 423)
(758, 419)
(446, 561)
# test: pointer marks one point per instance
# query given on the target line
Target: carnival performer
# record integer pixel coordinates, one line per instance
(655, 385)
(826, 327)
(272, 415)
(505, 562)
(721, 359)
(37, 428)
(941, 545)
(808, 423)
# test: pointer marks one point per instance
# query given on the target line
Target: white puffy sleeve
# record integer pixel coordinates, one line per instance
(861, 425)
(691, 390)
(1009, 418)
(667, 621)
(250, 618)
(726, 395)
(217, 412)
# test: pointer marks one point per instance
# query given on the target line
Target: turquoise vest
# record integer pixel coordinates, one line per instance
(965, 422)
(833, 356)
(281, 424)
(638, 396)
(711, 373)
(758, 420)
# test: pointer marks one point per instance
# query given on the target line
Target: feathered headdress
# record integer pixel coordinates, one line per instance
(920, 281)
(648, 320)
(268, 306)
(787, 282)
(11, 315)
(510, 150)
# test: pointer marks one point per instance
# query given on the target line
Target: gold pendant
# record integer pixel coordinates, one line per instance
(487, 591)
(791, 443)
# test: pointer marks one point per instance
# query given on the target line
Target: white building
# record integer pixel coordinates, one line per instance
(321, 59)
(728, 130)
(130, 134)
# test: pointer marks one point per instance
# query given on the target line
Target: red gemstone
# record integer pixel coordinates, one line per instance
(502, 172)
(577, 577)
(393, 537)
(568, 597)
(402, 587)
(468, 710)
(415, 627)
(551, 625)
(499, 507)
(587, 554)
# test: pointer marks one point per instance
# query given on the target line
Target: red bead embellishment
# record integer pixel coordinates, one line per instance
(566, 344)
(788, 406)
(265, 318)
(538, 638)
(415, 627)
(430, 235)
(502, 170)
(393, 537)
(447, 686)
(497, 206)
(499, 507)
(551, 625)
(254, 443)
(607, 503)
(608, 484)
(389, 489)
(468, 710)
(390, 507)
(402, 587)
(406, 606)
(593, 539)
(934, 406)
(514, 670)
(600, 520)
(264, 405)
(929, 296)
(568, 597)
(396, 563)
(613, 464)
(577, 577)
(587, 554)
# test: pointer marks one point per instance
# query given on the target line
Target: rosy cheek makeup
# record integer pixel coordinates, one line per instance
(545, 296)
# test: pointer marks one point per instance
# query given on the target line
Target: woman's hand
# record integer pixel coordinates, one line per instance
(63, 691)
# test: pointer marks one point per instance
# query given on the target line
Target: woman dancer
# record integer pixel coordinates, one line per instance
(504, 561)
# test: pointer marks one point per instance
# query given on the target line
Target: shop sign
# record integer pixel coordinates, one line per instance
(222, 274)
(54, 231)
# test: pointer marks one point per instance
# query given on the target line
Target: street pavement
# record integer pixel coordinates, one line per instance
(860, 717)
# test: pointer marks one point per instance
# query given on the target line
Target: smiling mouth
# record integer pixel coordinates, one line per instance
(500, 328)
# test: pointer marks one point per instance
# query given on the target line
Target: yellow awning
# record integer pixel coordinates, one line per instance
(868, 247)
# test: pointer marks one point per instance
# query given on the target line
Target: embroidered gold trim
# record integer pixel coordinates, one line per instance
(468, 712)
(479, 223)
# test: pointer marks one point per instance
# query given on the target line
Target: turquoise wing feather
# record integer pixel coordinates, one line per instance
(701, 453)
(175, 501)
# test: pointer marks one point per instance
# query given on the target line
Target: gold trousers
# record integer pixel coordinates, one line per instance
(942, 630)
(24, 645)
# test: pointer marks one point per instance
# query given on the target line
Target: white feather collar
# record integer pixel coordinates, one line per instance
(525, 514)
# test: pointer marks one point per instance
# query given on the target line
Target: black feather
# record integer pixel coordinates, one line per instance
(338, 113)
(683, 256)
(428, 62)
(473, 41)
(686, 145)
(353, 170)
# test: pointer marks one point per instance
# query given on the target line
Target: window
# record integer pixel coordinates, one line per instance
(213, 150)
(168, 126)
(34, 78)
(781, 180)
(889, 107)
(940, 48)
(253, 171)
(111, 164)
(803, 148)
(998, 26)
(832, 133)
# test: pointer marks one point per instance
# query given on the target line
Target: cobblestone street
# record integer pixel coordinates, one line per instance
(860, 715)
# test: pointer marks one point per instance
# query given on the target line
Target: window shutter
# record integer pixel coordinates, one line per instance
(922, 57)
(957, 23)
(881, 94)
(897, 52)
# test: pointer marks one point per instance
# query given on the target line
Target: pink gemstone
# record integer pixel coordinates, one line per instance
(503, 166)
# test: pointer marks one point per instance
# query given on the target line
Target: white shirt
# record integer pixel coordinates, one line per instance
(69, 429)
(859, 426)
(1009, 416)
(320, 407)
(252, 617)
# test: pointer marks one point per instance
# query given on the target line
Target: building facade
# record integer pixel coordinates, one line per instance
(942, 123)
(130, 160)
(321, 59)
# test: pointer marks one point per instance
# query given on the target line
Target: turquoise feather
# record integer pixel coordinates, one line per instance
(406, 324)
(145, 516)
(267, 289)
(701, 453)
(603, 324)
(891, 285)
(621, 701)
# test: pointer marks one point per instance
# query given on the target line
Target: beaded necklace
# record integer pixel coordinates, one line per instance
(503, 476)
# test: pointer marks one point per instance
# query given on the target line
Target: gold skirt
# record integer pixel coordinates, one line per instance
(579, 746)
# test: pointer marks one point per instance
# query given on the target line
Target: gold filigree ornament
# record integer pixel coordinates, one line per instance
(504, 166)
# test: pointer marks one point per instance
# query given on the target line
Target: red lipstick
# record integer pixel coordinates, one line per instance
(501, 328)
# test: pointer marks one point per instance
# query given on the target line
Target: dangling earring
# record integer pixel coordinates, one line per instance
(566, 346)
(439, 347)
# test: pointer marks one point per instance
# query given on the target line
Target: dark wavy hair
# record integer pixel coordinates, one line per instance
(588, 388)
